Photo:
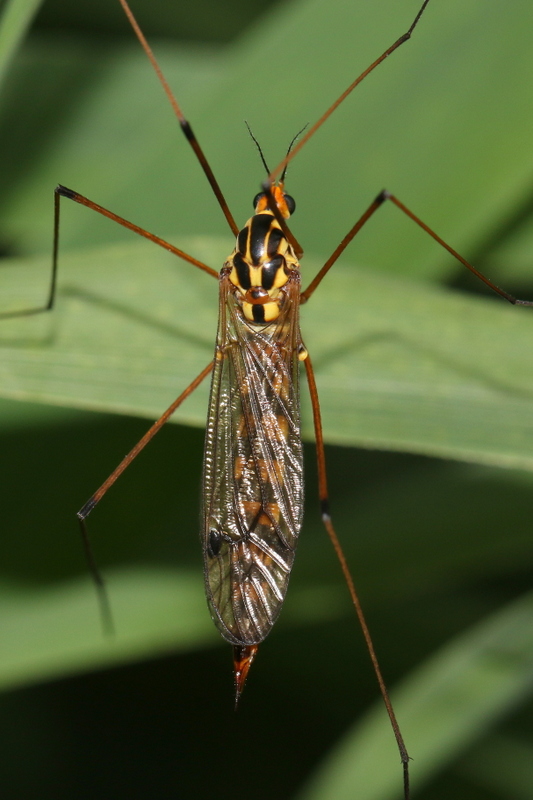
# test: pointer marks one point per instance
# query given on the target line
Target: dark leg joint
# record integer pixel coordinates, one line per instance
(324, 508)
(187, 130)
(84, 512)
(382, 196)
(64, 192)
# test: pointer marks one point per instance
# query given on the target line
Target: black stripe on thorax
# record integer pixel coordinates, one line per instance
(243, 271)
(270, 270)
(242, 241)
(274, 241)
(259, 228)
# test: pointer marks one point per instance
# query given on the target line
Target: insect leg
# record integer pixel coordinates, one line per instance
(49, 304)
(62, 191)
(326, 519)
(318, 124)
(282, 167)
(455, 254)
(84, 512)
(380, 199)
(184, 123)
(305, 295)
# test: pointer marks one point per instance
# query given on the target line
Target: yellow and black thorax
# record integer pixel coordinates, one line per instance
(263, 260)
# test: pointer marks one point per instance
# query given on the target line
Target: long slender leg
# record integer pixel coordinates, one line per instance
(49, 304)
(326, 519)
(62, 191)
(184, 124)
(282, 166)
(455, 254)
(380, 199)
(318, 124)
(84, 512)
(305, 295)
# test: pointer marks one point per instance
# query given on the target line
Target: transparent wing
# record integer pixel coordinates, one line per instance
(253, 481)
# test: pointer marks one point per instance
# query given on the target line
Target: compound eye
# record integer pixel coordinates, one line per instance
(291, 203)
(257, 198)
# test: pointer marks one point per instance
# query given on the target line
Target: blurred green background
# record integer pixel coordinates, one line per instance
(425, 382)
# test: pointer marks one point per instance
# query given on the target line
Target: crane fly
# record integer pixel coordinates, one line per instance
(253, 473)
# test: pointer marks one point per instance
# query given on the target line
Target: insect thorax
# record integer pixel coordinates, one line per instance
(261, 265)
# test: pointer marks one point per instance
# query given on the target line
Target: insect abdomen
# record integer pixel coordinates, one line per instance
(253, 475)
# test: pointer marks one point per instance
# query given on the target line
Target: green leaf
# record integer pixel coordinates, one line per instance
(52, 632)
(443, 706)
(111, 123)
(501, 762)
(16, 18)
(442, 123)
(399, 365)
(512, 257)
